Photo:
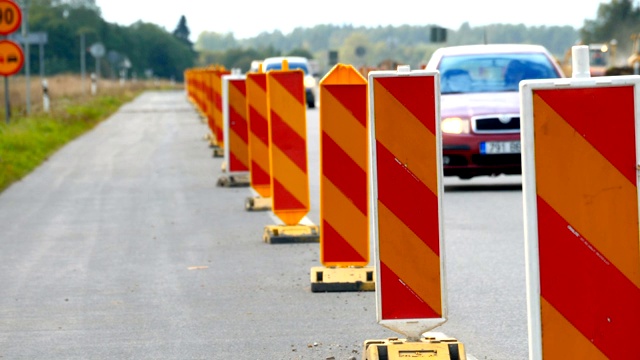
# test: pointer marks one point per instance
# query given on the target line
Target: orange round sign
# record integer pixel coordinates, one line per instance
(11, 58)
(10, 17)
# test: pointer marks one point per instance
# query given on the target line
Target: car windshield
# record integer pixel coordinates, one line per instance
(492, 72)
(292, 66)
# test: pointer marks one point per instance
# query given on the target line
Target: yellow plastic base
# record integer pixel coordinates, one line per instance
(286, 234)
(213, 143)
(233, 181)
(341, 279)
(218, 152)
(201, 114)
(257, 203)
(425, 348)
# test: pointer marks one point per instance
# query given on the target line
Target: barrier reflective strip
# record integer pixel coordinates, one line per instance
(206, 96)
(208, 93)
(288, 137)
(204, 88)
(216, 112)
(192, 87)
(406, 195)
(199, 81)
(198, 90)
(257, 115)
(586, 220)
(188, 82)
(344, 215)
(196, 94)
(237, 134)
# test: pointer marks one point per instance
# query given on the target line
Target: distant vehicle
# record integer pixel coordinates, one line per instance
(295, 62)
(601, 58)
(480, 104)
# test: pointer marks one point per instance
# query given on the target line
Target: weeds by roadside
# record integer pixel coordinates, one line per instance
(27, 141)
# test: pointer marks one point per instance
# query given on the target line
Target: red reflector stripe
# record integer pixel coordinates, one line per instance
(599, 124)
(293, 82)
(283, 199)
(336, 248)
(399, 301)
(400, 191)
(584, 286)
(259, 126)
(357, 100)
(344, 173)
(404, 90)
(288, 141)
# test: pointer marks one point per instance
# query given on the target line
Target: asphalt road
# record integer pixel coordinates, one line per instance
(121, 246)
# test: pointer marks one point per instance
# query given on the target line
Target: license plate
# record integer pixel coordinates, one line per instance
(500, 147)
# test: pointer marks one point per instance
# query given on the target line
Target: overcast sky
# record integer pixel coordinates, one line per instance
(249, 18)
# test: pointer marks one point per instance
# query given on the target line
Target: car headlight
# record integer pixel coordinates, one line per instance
(309, 82)
(455, 125)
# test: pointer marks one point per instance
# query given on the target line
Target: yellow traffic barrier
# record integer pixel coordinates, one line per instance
(198, 93)
(580, 176)
(216, 124)
(406, 193)
(344, 206)
(204, 95)
(259, 145)
(424, 348)
(288, 157)
(236, 135)
(188, 83)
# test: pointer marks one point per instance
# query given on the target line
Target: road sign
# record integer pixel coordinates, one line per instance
(97, 50)
(234, 113)
(288, 136)
(11, 58)
(344, 195)
(215, 93)
(35, 38)
(344, 205)
(10, 17)
(406, 200)
(288, 157)
(581, 213)
(258, 117)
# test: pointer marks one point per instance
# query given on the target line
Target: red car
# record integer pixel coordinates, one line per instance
(480, 104)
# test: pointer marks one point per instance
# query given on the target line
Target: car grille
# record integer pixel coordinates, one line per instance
(496, 124)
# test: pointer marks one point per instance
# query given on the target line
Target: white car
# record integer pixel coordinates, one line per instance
(295, 62)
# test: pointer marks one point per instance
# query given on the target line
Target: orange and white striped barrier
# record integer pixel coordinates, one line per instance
(288, 154)
(580, 170)
(344, 206)
(236, 133)
(259, 145)
(406, 201)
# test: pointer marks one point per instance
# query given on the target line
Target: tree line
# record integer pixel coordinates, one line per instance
(363, 46)
(152, 50)
(412, 45)
(143, 49)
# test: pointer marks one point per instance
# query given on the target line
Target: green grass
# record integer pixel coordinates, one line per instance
(28, 141)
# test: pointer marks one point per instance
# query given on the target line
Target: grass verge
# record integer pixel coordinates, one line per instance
(28, 141)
